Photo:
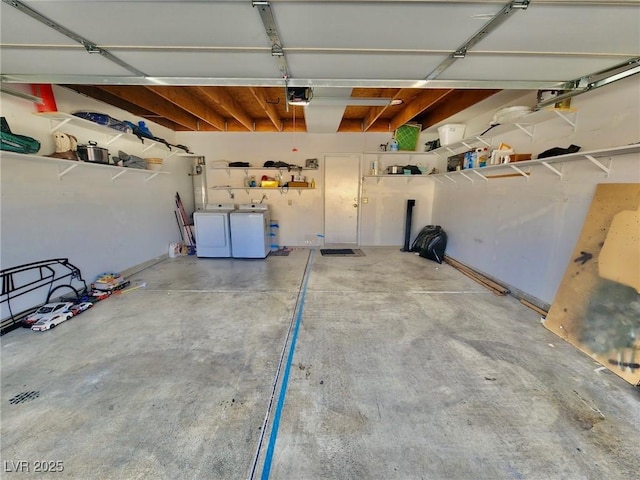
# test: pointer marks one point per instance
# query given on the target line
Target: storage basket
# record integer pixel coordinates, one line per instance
(451, 133)
(153, 163)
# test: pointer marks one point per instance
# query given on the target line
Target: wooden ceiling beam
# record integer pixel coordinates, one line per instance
(113, 100)
(100, 95)
(354, 125)
(154, 103)
(421, 103)
(375, 112)
(182, 98)
(455, 102)
(269, 108)
(220, 96)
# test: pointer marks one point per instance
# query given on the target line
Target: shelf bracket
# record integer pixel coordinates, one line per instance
(231, 194)
(525, 130)
(114, 138)
(175, 152)
(593, 160)
(524, 174)
(466, 144)
(60, 124)
(450, 179)
(480, 175)
(299, 192)
(566, 119)
(66, 170)
(120, 173)
(438, 180)
(149, 147)
(467, 177)
(553, 169)
(150, 177)
(482, 140)
(451, 150)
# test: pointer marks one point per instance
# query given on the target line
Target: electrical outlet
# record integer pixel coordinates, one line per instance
(290, 202)
(365, 199)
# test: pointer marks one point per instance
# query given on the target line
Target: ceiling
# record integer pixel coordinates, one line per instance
(226, 65)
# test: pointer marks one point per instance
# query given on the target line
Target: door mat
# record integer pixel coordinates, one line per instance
(282, 252)
(342, 252)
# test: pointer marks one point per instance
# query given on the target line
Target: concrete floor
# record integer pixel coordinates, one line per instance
(402, 369)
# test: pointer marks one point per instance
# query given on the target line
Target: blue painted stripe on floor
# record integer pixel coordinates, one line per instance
(266, 469)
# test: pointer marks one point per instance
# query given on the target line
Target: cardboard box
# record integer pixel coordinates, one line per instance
(298, 184)
(520, 157)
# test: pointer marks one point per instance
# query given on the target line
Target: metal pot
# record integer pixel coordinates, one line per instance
(395, 170)
(93, 153)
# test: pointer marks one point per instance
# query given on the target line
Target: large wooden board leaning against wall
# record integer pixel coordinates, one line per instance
(597, 307)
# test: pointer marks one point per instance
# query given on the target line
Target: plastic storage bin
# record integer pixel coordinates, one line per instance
(451, 133)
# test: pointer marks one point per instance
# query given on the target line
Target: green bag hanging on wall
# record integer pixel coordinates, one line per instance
(16, 143)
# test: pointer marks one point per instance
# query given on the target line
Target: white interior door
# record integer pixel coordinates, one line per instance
(341, 183)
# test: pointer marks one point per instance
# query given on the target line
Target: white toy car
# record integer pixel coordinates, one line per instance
(47, 312)
(80, 307)
(49, 323)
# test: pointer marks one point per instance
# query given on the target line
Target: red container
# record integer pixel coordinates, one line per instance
(45, 92)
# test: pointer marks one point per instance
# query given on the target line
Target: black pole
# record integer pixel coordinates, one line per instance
(407, 226)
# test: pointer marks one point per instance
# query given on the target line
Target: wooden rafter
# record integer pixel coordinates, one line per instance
(134, 109)
(455, 102)
(199, 108)
(154, 103)
(421, 103)
(375, 112)
(268, 108)
(182, 97)
(227, 103)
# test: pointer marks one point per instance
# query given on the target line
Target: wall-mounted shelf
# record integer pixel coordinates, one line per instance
(407, 178)
(60, 119)
(66, 166)
(282, 190)
(246, 170)
(403, 153)
(602, 159)
(525, 124)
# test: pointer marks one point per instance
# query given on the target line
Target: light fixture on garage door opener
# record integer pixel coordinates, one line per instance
(299, 95)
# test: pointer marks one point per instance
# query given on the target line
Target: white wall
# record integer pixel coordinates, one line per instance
(99, 224)
(381, 220)
(521, 231)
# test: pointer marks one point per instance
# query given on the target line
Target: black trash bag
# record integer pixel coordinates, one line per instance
(555, 151)
(430, 243)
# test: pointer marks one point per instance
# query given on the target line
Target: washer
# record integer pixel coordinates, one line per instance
(250, 231)
(213, 235)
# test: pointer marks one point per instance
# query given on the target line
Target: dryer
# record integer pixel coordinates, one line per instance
(213, 235)
(250, 231)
